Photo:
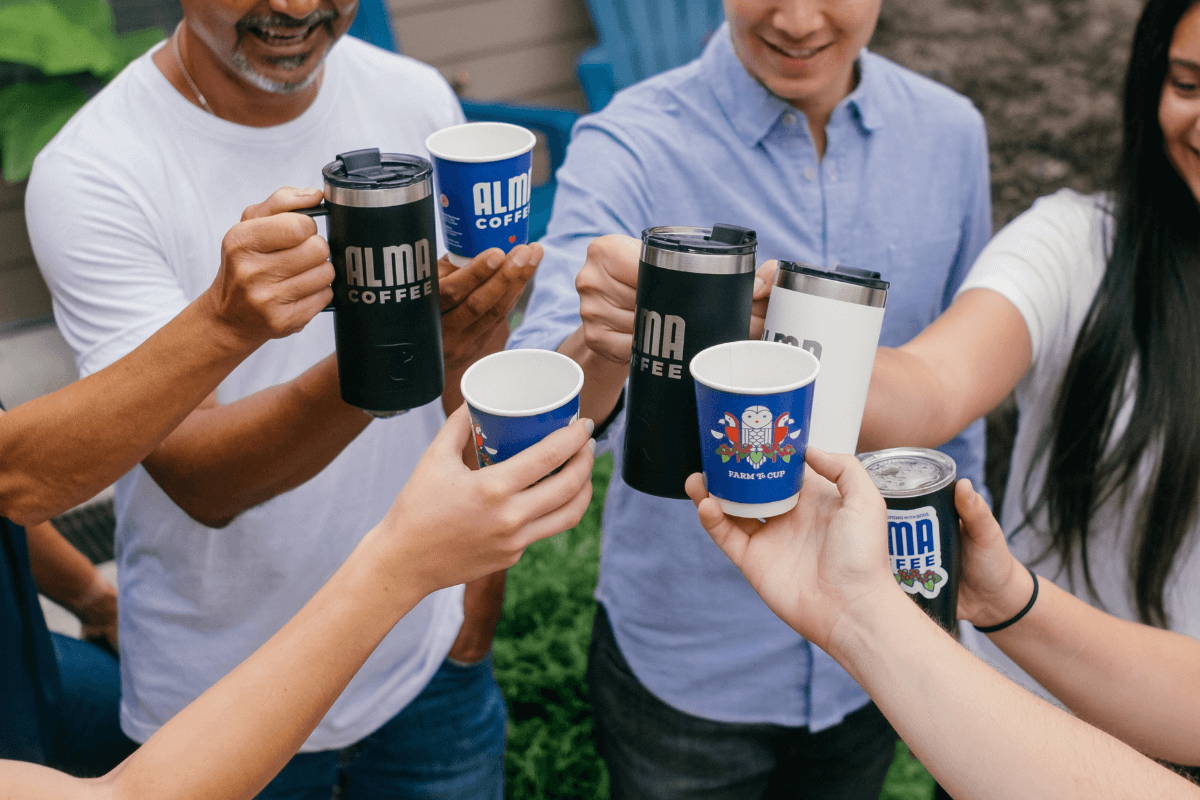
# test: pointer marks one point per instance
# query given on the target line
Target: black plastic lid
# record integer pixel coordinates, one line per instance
(718, 240)
(370, 169)
(853, 275)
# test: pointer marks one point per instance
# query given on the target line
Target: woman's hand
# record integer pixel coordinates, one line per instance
(823, 560)
(450, 524)
(994, 585)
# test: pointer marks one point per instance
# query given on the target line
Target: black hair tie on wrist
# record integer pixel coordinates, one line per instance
(1016, 617)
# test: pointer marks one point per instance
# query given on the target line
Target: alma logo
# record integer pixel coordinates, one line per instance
(491, 197)
(400, 264)
(810, 345)
(659, 339)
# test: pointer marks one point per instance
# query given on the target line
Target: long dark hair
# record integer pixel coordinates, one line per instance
(1140, 341)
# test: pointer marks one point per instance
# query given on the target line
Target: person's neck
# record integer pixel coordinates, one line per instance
(818, 110)
(228, 95)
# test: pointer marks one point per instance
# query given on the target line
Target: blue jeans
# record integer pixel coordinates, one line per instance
(448, 743)
(657, 752)
(90, 741)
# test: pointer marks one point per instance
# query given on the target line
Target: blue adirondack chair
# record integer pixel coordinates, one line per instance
(640, 38)
(373, 24)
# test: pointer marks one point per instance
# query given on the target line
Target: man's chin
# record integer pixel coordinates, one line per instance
(287, 75)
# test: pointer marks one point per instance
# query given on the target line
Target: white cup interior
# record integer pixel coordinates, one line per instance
(521, 383)
(480, 141)
(754, 367)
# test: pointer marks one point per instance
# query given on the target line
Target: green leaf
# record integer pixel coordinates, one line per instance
(30, 115)
(38, 34)
(724, 459)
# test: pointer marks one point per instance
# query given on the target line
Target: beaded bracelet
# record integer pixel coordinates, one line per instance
(1016, 617)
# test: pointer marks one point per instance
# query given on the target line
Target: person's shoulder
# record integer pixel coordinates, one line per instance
(1071, 213)
(652, 110)
(920, 99)
(382, 70)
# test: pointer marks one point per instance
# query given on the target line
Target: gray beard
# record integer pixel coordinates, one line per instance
(260, 81)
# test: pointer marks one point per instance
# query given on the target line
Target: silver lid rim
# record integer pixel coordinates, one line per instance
(831, 288)
(944, 462)
(379, 198)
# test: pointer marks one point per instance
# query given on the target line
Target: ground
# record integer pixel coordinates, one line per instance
(1046, 75)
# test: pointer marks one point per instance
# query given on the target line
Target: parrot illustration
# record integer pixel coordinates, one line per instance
(485, 452)
(756, 437)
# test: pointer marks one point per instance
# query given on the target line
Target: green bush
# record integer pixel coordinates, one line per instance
(541, 660)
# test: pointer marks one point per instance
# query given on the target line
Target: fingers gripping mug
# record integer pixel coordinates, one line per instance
(383, 245)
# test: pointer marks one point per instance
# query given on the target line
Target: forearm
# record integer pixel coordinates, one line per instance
(225, 459)
(1132, 680)
(62, 573)
(483, 604)
(239, 733)
(981, 735)
(905, 406)
(492, 342)
(603, 378)
(59, 450)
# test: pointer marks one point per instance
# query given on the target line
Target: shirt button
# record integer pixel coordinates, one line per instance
(832, 172)
(789, 119)
(810, 174)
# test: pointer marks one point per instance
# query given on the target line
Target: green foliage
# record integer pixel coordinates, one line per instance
(58, 38)
(541, 661)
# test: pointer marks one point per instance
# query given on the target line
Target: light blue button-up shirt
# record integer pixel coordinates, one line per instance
(902, 189)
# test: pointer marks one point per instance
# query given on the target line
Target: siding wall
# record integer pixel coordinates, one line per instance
(514, 50)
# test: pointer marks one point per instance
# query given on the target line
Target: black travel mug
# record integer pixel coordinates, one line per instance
(383, 245)
(695, 289)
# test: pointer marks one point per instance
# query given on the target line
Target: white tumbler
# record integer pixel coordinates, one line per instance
(836, 315)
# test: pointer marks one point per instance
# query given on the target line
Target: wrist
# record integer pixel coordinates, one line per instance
(219, 331)
(98, 598)
(1008, 600)
(867, 633)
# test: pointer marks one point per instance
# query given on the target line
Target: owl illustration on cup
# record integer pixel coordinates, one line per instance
(756, 437)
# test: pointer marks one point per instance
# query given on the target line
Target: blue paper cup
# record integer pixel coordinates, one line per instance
(517, 398)
(485, 176)
(753, 403)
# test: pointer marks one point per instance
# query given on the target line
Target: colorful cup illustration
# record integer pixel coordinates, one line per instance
(517, 398)
(753, 403)
(485, 176)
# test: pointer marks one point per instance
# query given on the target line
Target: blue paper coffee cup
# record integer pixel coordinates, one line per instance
(517, 398)
(753, 403)
(484, 175)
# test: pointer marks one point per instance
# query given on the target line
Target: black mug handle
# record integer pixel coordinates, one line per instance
(321, 210)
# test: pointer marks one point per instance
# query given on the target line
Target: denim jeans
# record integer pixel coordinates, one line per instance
(656, 752)
(448, 744)
(90, 741)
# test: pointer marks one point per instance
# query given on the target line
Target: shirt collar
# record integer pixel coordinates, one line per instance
(752, 110)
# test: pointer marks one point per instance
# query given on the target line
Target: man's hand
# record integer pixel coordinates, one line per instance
(98, 613)
(476, 300)
(452, 525)
(275, 273)
(994, 585)
(820, 562)
(607, 286)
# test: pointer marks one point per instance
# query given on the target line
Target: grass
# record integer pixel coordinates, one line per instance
(541, 658)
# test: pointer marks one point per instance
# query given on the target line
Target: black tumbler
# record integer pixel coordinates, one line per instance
(383, 245)
(695, 289)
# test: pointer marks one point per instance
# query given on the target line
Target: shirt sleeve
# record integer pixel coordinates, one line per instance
(107, 272)
(1036, 260)
(977, 218)
(601, 190)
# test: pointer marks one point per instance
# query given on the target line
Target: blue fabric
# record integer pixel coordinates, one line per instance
(447, 744)
(29, 685)
(902, 188)
(90, 738)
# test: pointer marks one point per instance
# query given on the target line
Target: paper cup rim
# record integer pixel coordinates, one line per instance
(520, 151)
(765, 390)
(486, 409)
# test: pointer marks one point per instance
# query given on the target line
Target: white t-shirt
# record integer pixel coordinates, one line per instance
(126, 208)
(1049, 263)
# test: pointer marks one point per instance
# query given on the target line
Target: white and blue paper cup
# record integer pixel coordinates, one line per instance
(484, 175)
(517, 398)
(753, 403)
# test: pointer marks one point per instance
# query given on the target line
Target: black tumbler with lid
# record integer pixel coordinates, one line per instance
(383, 245)
(695, 289)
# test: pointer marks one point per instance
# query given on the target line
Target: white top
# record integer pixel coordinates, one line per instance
(1049, 262)
(126, 208)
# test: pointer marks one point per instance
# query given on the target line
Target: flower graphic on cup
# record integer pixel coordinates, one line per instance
(756, 437)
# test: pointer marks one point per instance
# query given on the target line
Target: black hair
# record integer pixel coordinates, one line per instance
(1139, 342)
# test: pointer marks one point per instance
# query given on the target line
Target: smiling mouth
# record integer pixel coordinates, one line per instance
(277, 33)
(802, 53)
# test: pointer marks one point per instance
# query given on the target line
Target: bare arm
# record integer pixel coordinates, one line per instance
(238, 734)
(823, 569)
(1132, 680)
(67, 577)
(60, 449)
(955, 371)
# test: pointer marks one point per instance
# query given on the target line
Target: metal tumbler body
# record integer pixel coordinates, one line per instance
(695, 289)
(837, 316)
(383, 245)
